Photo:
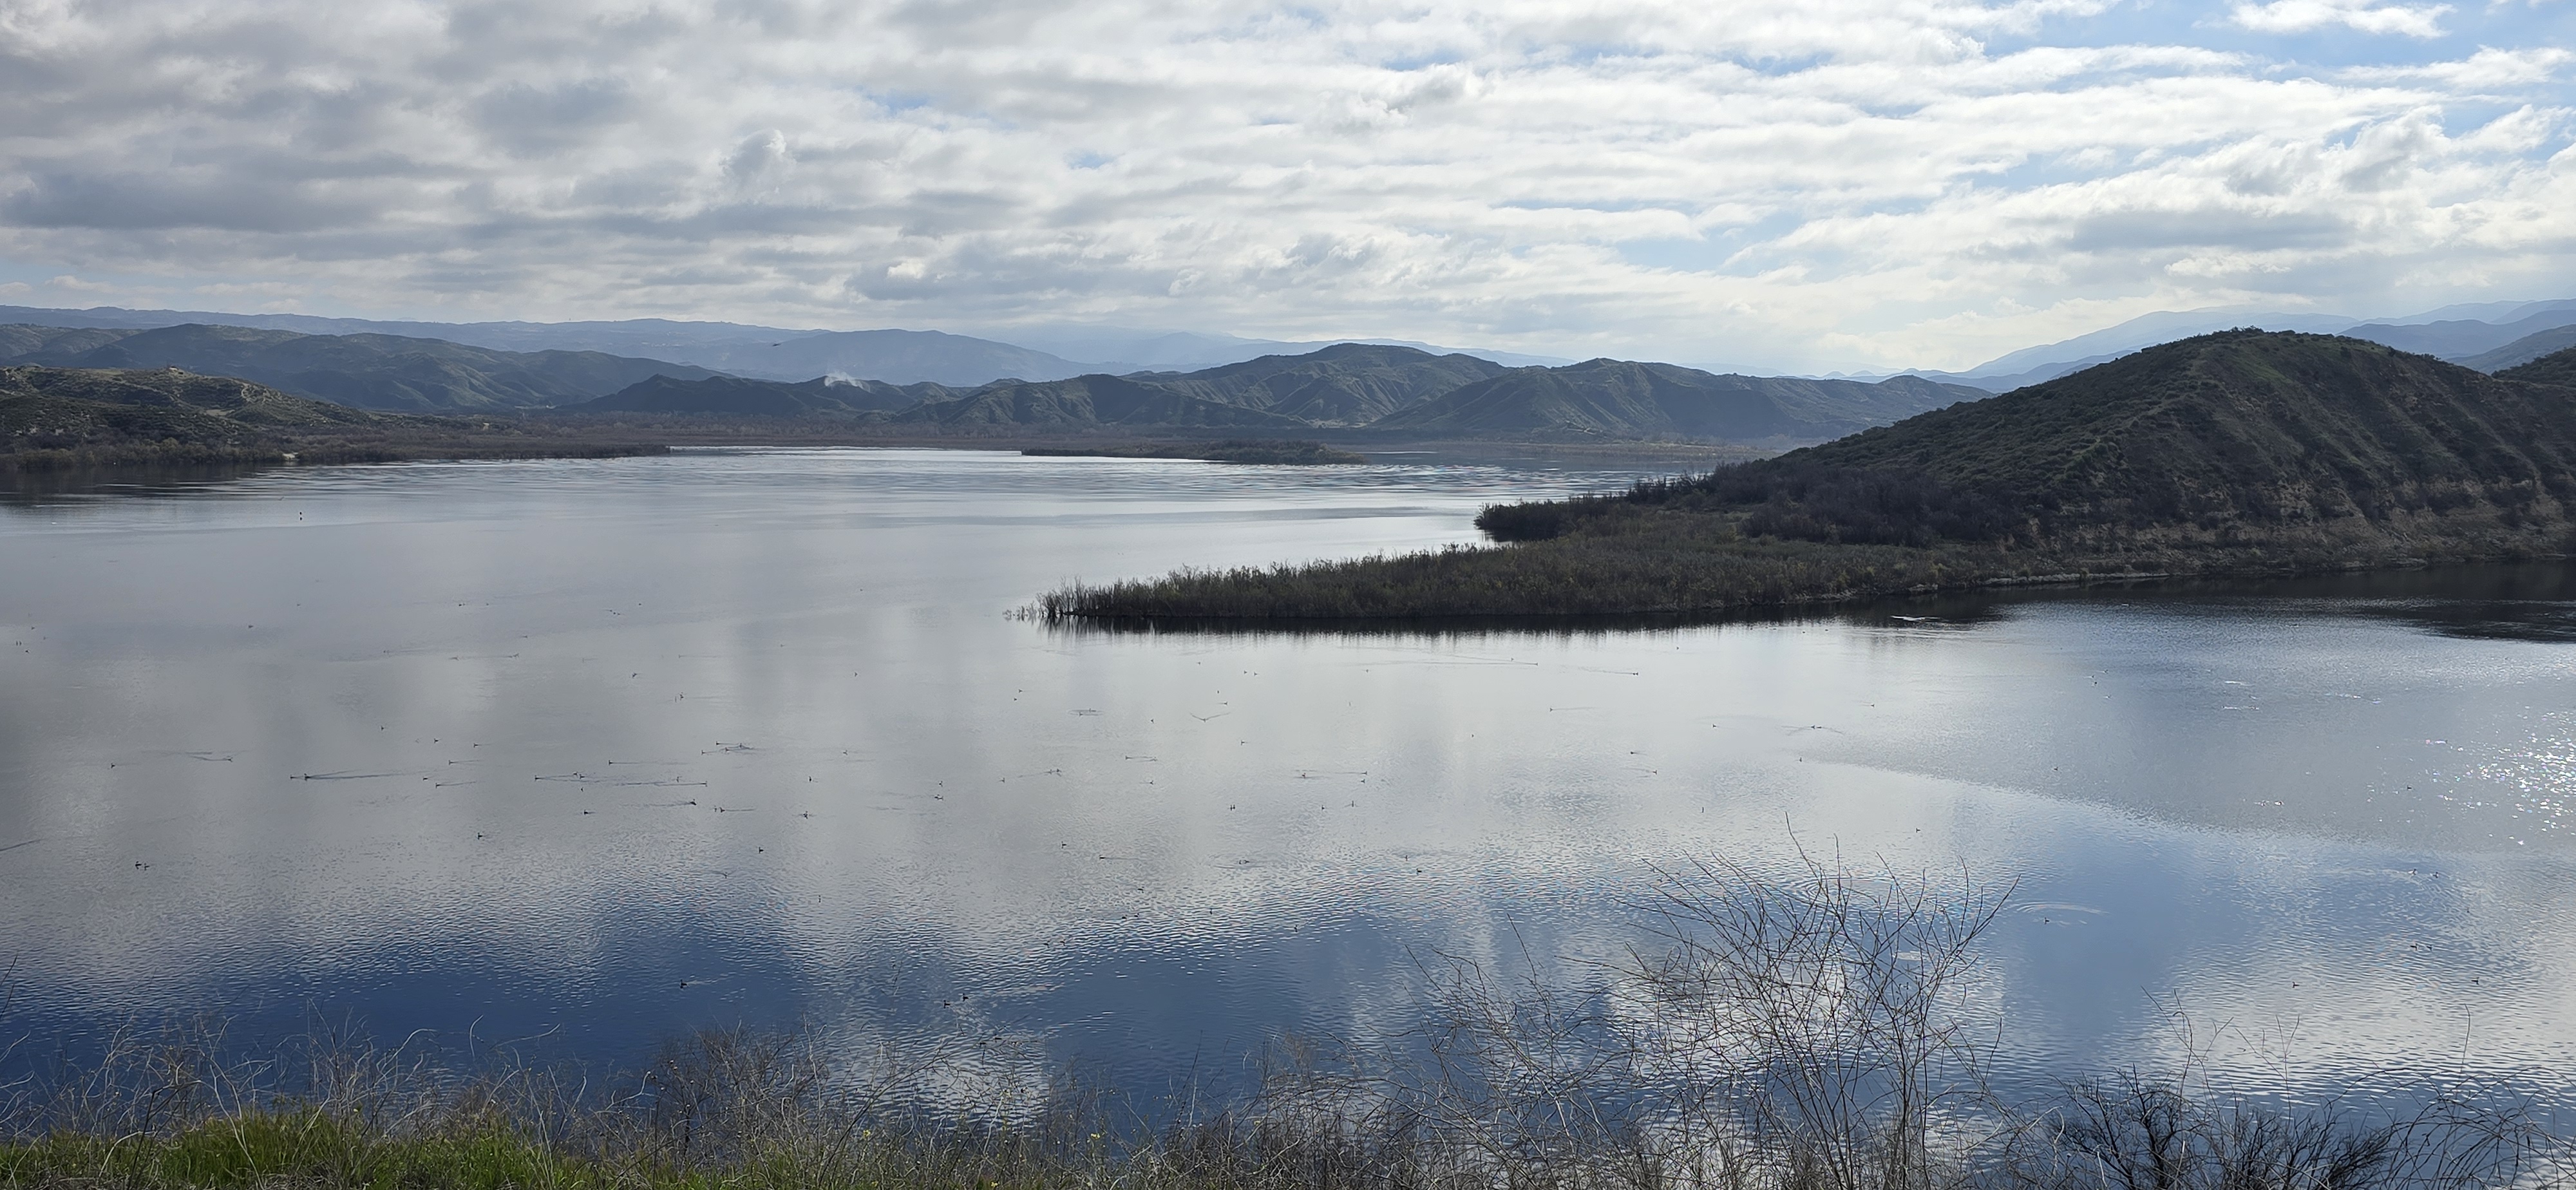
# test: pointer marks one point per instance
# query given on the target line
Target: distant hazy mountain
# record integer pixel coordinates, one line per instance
(2522, 350)
(1347, 384)
(895, 357)
(1098, 400)
(1351, 385)
(365, 371)
(1616, 398)
(1343, 385)
(1123, 351)
(2452, 332)
(731, 395)
(2460, 340)
(1042, 352)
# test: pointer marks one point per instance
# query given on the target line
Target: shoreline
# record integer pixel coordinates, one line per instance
(1251, 597)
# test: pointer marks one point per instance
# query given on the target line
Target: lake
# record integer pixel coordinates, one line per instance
(600, 752)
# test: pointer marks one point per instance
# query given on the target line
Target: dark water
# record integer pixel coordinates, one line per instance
(606, 751)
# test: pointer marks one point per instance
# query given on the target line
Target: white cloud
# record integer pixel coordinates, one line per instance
(1765, 183)
(2488, 69)
(2300, 16)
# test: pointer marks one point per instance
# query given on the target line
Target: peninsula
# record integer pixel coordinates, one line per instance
(2240, 452)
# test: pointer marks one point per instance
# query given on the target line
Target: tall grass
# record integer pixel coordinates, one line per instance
(1792, 1032)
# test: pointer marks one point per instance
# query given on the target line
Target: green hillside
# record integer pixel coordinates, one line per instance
(387, 372)
(734, 396)
(1347, 384)
(176, 413)
(2558, 368)
(2237, 452)
(62, 417)
(1087, 401)
(1618, 399)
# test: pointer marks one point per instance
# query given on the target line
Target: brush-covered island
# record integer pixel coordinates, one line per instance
(2240, 452)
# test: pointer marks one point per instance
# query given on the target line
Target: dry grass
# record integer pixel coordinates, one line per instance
(1781, 1033)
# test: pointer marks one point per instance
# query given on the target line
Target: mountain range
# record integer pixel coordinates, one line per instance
(2234, 452)
(2486, 336)
(366, 371)
(56, 420)
(1033, 352)
(1619, 399)
(1351, 386)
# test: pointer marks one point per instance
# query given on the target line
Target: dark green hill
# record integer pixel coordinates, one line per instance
(61, 410)
(2558, 368)
(2242, 431)
(1092, 401)
(365, 371)
(66, 417)
(2237, 452)
(1618, 399)
(734, 396)
(1346, 384)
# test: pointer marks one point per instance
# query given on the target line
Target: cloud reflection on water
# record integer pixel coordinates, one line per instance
(625, 748)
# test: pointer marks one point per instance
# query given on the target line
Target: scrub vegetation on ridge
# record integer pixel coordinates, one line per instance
(55, 419)
(2238, 452)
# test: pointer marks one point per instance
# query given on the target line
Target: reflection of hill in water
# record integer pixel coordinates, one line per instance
(53, 487)
(2503, 601)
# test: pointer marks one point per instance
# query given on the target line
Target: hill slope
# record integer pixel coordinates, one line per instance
(1089, 401)
(2557, 368)
(2247, 429)
(365, 371)
(2463, 340)
(57, 409)
(2241, 451)
(1615, 398)
(892, 357)
(56, 417)
(735, 396)
(1346, 384)
(2523, 350)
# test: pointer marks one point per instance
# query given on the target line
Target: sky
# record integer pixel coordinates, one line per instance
(1780, 184)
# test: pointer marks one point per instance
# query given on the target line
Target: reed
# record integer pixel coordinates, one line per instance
(1797, 1031)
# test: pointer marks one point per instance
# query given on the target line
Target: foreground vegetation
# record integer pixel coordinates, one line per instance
(2243, 452)
(1793, 1033)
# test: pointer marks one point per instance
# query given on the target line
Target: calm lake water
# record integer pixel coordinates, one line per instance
(606, 751)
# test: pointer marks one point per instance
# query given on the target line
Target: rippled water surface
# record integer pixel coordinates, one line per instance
(612, 750)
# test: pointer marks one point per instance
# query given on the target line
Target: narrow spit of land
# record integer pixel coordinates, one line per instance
(2242, 452)
(1232, 450)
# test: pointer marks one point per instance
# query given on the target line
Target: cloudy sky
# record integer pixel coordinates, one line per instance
(1807, 184)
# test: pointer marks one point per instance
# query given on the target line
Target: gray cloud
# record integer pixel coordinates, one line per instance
(1885, 186)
